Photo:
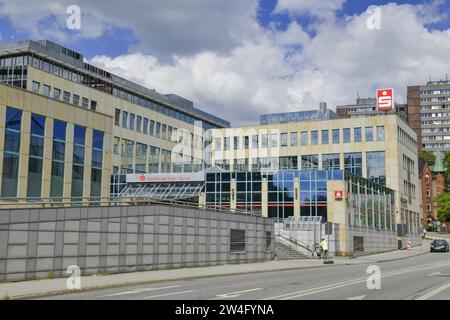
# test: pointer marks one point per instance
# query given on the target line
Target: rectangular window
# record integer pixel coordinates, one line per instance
(218, 143)
(35, 86)
(376, 167)
(164, 132)
(145, 127)
(36, 157)
(246, 142)
(131, 121)
(138, 123)
(93, 105)
(284, 139)
(357, 135)
(369, 134)
(227, 142)
(11, 152)
(314, 137)
(353, 163)
(310, 162)
(58, 159)
(78, 162)
(294, 136)
(66, 98)
(304, 138)
(76, 100)
(46, 89)
(152, 128)
(380, 133)
(331, 161)
(347, 137)
(237, 240)
(255, 141)
(236, 143)
(158, 130)
(56, 93)
(97, 161)
(274, 140)
(336, 136)
(117, 117)
(85, 102)
(264, 141)
(154, 160)
(124, 119)
(325, 136)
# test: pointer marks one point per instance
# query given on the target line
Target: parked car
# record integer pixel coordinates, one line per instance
(439, 245)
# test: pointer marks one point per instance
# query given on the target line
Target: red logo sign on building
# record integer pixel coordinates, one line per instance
(338, 194)
(385, 99)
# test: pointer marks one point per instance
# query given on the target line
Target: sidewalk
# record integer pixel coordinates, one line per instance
(34, 288)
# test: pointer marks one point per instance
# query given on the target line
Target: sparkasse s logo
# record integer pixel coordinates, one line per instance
(385, 99)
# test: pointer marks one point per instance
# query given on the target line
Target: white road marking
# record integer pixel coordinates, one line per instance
(434, 292)
(436, 274)
(168, 294)
(357, 297)
(234, 294)
(337, 285)
(138, 291)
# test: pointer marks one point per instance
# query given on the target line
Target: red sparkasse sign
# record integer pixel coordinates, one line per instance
(385, 99)
(338, 194)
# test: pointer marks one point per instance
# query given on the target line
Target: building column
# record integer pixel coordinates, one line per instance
(24, 154)
(233, 187)
(68, 161)
(87, 164)
(264, 198)
(296, 197)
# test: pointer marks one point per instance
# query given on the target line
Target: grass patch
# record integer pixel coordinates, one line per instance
(50, 274)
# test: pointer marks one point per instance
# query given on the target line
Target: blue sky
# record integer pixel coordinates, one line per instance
(238, 59)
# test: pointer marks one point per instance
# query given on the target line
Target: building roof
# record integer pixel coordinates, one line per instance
(439, 163)
(299, 116)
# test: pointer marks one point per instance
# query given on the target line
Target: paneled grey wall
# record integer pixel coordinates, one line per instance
(34, 242)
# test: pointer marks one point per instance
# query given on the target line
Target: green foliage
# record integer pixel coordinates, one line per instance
(427, 157)
(447, 171)
(443, 204)
(50, 274)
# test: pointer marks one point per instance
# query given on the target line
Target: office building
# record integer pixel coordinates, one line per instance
(66, 126)
(367, 107)
(429, 115)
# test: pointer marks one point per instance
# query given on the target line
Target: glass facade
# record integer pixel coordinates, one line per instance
(37, 133)
(58, 159)
(97, 161)
(11, 152)
(376, 167)
(353, 163)
(331, 161)
(78, 162)
(310, 162)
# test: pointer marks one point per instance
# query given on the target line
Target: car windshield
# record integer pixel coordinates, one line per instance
(439, 242)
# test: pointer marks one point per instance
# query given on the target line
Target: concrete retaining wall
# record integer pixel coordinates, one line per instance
(36, 243)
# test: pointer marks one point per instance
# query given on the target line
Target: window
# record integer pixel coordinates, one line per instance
(154, 160)
(117, 117)
(46, 89)
(236, 143)
(353, 163)
(255, 141)
(294, 139)
(246, 142)
(85, 102)
(274, 140)
(331, 161)
(56, 93)
(124, 119)
(152, 128)
(346, 132)
(336, 136)
(35, 86)
(131, 121)
(76, 100)
(428, 193)
(428, 207)
(93, 105)
(237, 240)
(36, 156)
(357, 134)
(97, 161)
(11, 152)
(380, 133)
(227, 143)
(66, 98)
(145, 128)
(369, 134)
(58, 160)
(138, 123)
(78, 162)
(427, 179)
(284, 139)
(218, 144)
(314, 137)
(158, 130)
(310, 162)
(376, 167)
(304, 138)
(325, 136)
(264, 141)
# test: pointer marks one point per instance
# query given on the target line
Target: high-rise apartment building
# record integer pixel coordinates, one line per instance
(367, 107)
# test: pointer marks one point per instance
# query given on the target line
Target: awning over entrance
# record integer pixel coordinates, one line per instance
(162, 186)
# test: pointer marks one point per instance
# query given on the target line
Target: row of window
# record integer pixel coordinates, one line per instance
(435, 91)
(435, 107)
(67, 97)
(96, 83)
(434, 122)
(406, 139)
(436, 138)
(12, 157)
(436, 145)
(303, 138)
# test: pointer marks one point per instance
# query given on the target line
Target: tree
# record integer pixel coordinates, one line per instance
(443, 206)
(428, 157)
(447, 171)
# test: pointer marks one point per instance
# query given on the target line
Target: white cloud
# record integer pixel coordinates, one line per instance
(318, 8)
(264, 75)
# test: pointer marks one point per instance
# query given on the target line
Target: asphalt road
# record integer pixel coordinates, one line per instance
(417, 278)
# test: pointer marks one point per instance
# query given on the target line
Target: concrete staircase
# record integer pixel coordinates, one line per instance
(285, 252)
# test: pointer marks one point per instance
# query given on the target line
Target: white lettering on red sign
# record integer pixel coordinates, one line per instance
(385, 99)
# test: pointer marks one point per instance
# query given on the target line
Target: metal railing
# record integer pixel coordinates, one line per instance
(62, 202)
(302, 222)
(295, 241)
